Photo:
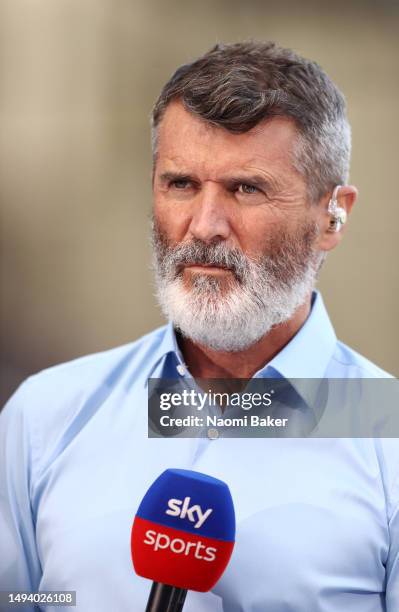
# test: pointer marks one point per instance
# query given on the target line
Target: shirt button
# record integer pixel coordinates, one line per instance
(213, 434)
(181, 369)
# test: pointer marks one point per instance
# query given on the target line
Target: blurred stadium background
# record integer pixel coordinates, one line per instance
(78, 79)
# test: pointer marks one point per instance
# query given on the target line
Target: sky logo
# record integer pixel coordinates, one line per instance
(181, 508)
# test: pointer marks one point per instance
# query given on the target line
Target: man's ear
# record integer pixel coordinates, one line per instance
(331, 229)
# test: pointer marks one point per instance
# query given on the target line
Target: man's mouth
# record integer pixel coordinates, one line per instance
(205, 268)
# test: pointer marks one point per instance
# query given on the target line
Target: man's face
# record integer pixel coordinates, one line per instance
(234, 235)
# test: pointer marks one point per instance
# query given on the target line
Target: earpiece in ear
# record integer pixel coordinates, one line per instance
(338, 214)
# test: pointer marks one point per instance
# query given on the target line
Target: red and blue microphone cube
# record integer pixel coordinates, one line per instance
(183, 533)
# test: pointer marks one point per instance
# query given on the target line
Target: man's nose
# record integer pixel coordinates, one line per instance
(210, 219)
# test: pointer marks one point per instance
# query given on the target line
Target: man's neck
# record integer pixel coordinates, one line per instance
(204, 362)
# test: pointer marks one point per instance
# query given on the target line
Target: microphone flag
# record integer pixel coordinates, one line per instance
(183, 532)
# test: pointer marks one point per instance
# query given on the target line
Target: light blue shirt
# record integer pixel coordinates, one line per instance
(317, 519)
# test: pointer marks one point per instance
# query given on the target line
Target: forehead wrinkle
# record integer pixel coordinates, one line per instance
(177, 120)
(197, 142)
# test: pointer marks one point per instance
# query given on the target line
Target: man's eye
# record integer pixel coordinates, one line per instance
(180, 184)
(247, 189)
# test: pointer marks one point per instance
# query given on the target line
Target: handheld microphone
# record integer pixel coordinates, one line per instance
(182, 536)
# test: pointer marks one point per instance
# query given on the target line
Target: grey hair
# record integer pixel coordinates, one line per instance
(236, 86)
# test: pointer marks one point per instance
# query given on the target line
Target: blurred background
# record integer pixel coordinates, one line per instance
(78, 79)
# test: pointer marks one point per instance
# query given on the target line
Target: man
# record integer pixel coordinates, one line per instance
(251, 158)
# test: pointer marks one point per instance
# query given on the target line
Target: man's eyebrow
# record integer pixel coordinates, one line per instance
(167, 177)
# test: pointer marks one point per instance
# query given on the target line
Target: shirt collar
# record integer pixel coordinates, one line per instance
(307, 354)
(168, 346)
(304, 360)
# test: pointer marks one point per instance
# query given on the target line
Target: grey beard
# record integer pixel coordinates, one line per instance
(231, 315)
